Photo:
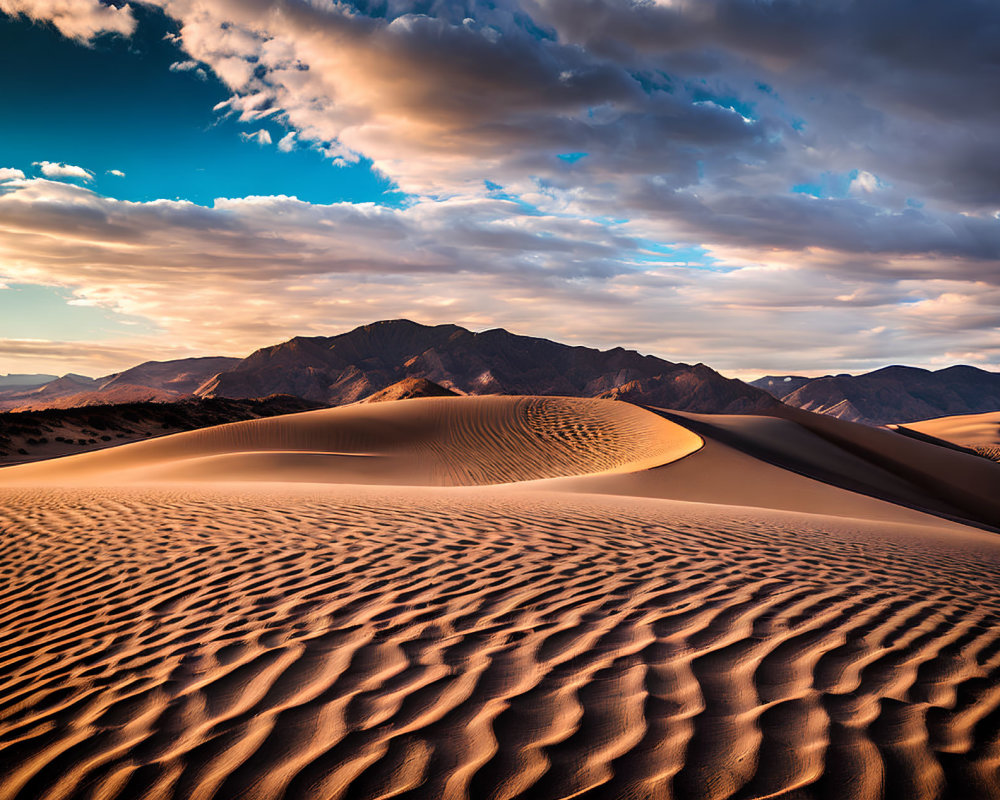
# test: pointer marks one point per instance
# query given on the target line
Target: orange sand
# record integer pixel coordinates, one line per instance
(227, 614)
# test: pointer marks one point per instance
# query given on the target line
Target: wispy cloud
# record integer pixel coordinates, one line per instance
(116, 172)
(89, 358)
(189, 66)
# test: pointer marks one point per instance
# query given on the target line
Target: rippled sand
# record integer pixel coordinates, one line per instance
(210, 638)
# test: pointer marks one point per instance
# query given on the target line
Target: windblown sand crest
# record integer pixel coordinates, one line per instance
(453, 441)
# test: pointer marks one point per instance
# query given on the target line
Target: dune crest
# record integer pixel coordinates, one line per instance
(978, 432)
(452, 441)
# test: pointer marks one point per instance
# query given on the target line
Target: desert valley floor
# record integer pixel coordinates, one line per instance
(499, 597)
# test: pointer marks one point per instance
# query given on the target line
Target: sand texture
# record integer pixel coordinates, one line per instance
(555, 605)
(979, 432)
(452, 441)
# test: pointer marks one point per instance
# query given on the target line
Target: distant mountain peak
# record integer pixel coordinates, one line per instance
(899, 394)
(409, 388)
(370, 358)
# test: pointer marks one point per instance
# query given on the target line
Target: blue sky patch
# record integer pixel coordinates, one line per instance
(829, 186)
(45, 312)
(650, 254)
(117, 105)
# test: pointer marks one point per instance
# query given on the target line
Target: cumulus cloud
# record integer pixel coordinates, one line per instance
(76, 19)
(730, 96)
(57, 170)
(287, 142)
(865, 183)
(116, 172)
(261, 137)
(11, 174)
(437, 95)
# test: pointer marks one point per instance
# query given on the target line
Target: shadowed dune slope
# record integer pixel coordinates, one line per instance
(425, 441)
(768, 462)
(476, 644)
(943, 478)
(721, 474)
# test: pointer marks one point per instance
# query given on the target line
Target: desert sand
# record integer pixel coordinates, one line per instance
(500, 597)
(980, 432)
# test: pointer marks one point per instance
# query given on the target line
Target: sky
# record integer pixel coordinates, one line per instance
(764, 186)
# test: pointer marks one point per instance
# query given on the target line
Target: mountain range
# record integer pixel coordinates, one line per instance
(349, 367)
(895, 394)
(152, 381)
(399, 358)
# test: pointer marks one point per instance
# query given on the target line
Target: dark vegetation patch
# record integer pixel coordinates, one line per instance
(31, 435)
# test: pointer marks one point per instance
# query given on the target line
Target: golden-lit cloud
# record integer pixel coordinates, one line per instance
(76, 19)
(707, 181)
(252, 271)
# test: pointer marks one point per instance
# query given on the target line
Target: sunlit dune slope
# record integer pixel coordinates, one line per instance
(454, 441)
(967, 430)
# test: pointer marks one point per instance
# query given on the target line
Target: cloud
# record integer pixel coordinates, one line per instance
(116, 172)
(437, 95)
(76, 19)
(11, 174)
(252, 271)
(82, 357)
(261, 137)
(189, 66)
(721, 97)
(697, 119)
(56, 170)
(865, 183)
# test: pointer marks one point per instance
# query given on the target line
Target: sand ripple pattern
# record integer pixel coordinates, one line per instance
(474, 644)
(463, 441)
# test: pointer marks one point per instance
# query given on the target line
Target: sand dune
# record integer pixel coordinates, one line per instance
(454, 441)
(943, 478)
(219, 636)
(980, 432)
(768, 462)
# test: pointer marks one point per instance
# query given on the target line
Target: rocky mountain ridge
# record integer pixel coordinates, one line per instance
(349, 367)
(400, 358)
(898, 394)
